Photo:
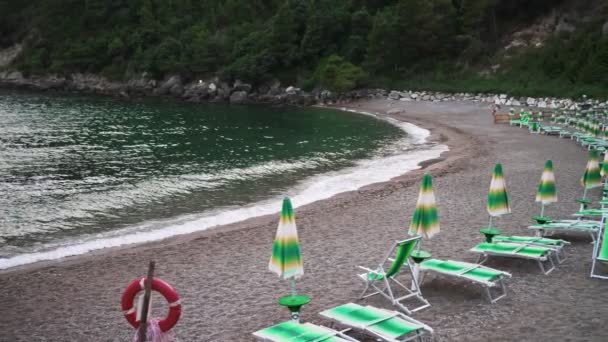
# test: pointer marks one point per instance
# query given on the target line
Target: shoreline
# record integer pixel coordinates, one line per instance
(437, 138)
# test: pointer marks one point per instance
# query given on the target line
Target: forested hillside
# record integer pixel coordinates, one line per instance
(337, 44)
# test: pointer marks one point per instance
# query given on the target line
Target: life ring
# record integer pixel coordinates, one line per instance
(130, 312)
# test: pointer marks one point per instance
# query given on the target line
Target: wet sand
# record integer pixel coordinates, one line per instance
(227, 292)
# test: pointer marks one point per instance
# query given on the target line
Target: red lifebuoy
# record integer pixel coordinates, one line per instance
(128, 299)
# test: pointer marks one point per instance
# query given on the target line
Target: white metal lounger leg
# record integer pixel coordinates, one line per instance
(542, 267)
(481, 258)
(596, 248)
(362, 295)
(558, 251)
(502, 294)
(593, 274)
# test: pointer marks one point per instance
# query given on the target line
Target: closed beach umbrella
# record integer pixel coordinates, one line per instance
(286, 260)
(592, 178)
(546, 193)
(498, 200)
(604, 169)
(425, 221)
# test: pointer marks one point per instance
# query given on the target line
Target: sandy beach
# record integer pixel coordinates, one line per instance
(228, 293)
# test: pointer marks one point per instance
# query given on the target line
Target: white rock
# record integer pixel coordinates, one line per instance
(531, 101)
(542, 104)
(394, 95)
(405, 99)
(414, 96)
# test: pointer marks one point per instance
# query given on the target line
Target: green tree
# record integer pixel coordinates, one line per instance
(336, 74)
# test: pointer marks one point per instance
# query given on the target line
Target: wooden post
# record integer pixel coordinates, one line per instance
(143, 323)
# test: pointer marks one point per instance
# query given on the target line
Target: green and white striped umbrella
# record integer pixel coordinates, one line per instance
(425, 221)
(604, 169)
(592, 177)
(286, 260)
(498, 200)
(546, 190)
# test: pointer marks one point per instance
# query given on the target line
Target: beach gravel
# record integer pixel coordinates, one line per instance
(228, 293)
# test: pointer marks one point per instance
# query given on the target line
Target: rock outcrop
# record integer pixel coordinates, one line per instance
(215, 90)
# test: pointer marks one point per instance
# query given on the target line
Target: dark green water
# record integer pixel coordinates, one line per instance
(74, 166)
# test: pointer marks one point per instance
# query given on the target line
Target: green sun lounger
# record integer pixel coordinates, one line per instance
(592, 212)
(556, 244)
(300, 332)
(382, 280)
(522, 121)
(478, 274)
(600, 254)
(382, 324)
(585, 226)
(514, 250)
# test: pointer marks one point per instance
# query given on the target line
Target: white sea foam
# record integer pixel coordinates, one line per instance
(313, 189)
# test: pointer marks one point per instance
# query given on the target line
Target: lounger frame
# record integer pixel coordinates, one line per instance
(596, 251)
(486, 285)
(484, 256)
(560, 254)
(418, 335)
(387, 291)
(331, 333)
(548, 231)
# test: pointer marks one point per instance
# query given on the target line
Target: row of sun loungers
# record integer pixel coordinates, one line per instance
(390, 325)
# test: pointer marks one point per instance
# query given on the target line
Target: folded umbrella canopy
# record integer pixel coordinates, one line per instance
(425, 221)
(547, 192)
(591, 178)
(286, 260)
(498, 200)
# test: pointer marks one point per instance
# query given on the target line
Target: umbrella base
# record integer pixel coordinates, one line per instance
(294, 303)
(541, 219)
(489, 233)
(420, 256)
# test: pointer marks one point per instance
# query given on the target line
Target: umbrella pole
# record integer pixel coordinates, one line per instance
(490, 225)
(542, 209)
(584, 197)
(585, 193)
(293, 287)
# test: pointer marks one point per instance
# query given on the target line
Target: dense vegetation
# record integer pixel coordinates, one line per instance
(337, 44)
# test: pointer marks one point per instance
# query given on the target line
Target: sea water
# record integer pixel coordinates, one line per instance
(81, 173)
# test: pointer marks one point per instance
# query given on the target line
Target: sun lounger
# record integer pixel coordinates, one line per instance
(565, 133)
(600, 254)
(478, 274)
(556, 244)
(386, 277)
(513, 250)
(585, 226)
(592, 213)
(300, 332)
(523, 121)
(382, 324)
(548, 130)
